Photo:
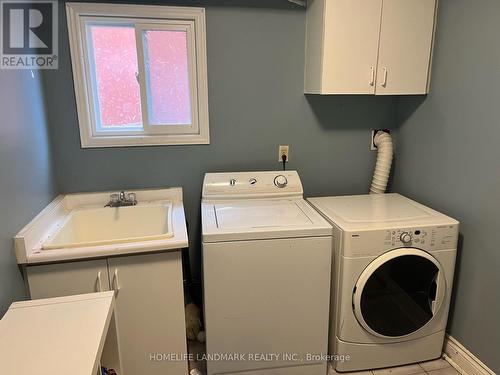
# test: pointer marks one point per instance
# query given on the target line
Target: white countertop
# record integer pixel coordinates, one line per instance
(55, 335)
(29, 241)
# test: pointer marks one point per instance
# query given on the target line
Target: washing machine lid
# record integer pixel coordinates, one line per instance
(261, 219)
(367, 212)
(260, 214)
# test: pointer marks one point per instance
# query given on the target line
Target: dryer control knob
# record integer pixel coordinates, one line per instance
(280, 181)
(405, 237)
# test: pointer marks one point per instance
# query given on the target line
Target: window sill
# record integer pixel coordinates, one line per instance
(145, 140)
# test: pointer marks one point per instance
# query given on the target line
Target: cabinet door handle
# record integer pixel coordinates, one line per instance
(372, 76)
(116, 284)
(99, 283)
(384, 77)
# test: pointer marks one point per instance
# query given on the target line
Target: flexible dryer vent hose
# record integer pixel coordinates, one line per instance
(383, 141)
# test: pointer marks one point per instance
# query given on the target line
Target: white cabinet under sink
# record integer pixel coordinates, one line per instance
(380, 47)
(149, 303)
(79, 245)
(66, 279)
(150, 311)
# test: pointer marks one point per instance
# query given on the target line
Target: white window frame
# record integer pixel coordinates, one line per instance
(142, 17)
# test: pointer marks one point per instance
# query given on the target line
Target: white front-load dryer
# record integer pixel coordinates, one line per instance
(392, 276)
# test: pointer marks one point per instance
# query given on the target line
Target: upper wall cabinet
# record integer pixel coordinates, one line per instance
(378, 47)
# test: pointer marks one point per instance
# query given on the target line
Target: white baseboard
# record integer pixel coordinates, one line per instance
(462, 360)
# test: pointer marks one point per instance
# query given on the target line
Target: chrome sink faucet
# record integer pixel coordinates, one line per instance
(122, 199)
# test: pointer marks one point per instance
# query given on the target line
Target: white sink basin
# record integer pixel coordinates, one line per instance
(107, 225)
(79, 226)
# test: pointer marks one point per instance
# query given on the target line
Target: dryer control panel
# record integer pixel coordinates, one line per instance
(245, 185)
(415, 237)
(428, 238)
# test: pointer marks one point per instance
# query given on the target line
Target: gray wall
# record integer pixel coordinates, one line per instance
(26, 183)
(449, 158)
(255, 73)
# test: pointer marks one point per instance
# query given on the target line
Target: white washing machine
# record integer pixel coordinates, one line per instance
(266, 273)
(392, 276)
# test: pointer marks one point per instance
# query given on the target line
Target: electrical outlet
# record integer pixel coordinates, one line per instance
(372, 139)
(283, 150)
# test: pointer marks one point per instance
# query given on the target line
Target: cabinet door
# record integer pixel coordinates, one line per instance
(351, 46)
(406, 39)
(64, 279)
(150, 312)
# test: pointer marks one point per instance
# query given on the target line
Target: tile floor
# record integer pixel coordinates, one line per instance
(436, 367)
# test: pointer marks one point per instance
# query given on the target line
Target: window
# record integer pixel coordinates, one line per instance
(140, 74)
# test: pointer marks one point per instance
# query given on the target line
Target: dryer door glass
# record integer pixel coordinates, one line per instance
(398, 298)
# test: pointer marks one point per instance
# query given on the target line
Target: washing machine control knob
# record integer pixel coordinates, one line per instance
(405, 237)
(280, 181)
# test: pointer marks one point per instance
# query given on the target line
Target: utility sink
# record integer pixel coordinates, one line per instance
(78, 226)
(106, 225)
